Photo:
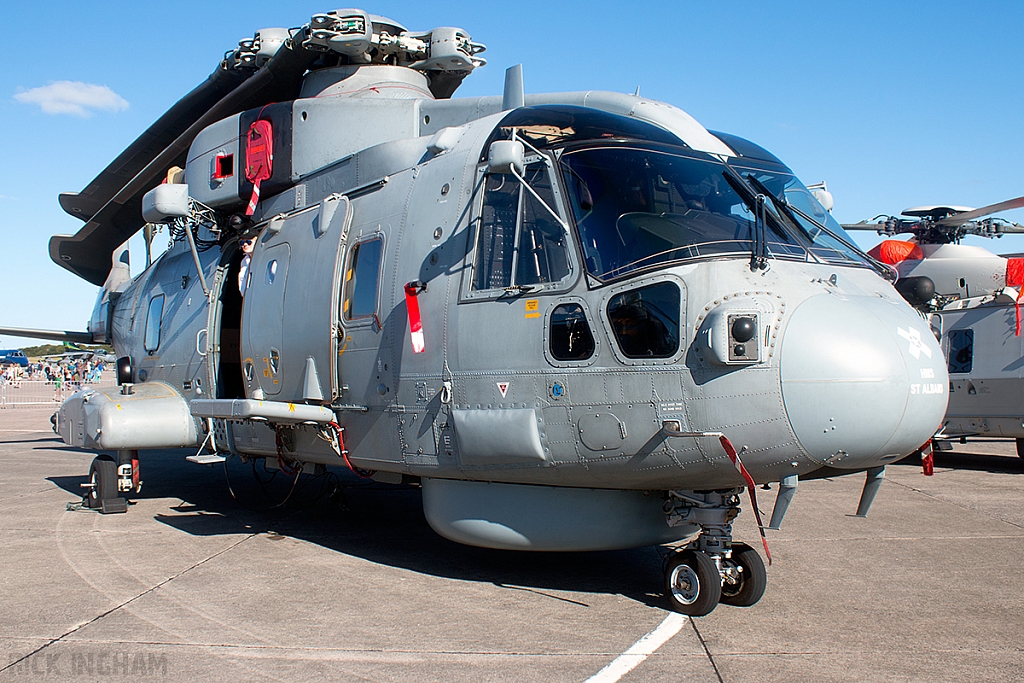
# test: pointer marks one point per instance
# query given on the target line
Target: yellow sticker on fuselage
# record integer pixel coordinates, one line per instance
(533, 308)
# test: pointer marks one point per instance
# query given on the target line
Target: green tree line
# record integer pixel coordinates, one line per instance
(57, 349)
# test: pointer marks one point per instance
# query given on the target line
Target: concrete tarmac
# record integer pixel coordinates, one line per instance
(190, 585)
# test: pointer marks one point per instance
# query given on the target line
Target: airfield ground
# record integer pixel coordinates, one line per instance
(190, 586)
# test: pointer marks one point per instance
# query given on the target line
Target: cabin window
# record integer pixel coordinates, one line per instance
(961, 351)
(570, 338)
(361, 279)
(151, 340)
(520, 242)
(646, 321)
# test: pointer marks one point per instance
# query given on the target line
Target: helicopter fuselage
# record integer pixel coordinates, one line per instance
(578, 321)
(590, 315)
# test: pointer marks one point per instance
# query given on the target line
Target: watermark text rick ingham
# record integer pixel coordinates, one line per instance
(97, 663)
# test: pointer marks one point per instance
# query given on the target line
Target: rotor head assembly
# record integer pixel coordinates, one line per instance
(362, 38)
(945, 224)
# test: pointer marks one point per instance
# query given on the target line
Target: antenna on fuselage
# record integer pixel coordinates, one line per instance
(514, 95)
(148, 231)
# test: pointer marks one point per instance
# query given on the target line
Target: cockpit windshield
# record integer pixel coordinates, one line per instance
(636, 208)
(816, 224)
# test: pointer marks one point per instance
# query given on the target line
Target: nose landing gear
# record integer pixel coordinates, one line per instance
(711, 569)
(107, 480)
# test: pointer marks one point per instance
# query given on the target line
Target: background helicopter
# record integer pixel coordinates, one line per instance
(578, 320)
(972, 298)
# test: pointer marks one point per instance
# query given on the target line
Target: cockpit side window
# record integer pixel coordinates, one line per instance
(496, 240)
(543, 256)
(519, 241)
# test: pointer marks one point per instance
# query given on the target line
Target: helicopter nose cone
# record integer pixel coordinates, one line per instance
(863, 380)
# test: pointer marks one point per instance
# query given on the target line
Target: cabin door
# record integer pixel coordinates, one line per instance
(290, 312)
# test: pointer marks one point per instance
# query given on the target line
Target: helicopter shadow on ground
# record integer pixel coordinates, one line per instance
(996, 464)
(43, 439)
(64, 448)
(379, 523)
(71, 484)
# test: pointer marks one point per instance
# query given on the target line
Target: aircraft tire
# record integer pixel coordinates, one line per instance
(753, 578)
(693, 584)
(103, 477)
(1020, 448)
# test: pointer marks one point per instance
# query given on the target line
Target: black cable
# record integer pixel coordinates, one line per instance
(231, 490)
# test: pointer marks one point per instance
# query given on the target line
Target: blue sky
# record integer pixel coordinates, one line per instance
(893, 104)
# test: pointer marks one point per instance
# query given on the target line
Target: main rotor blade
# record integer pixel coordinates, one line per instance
(55, 335)
(151, 142)
(960, 218)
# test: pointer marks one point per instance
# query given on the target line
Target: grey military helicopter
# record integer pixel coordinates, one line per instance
(579, 321)
(972, 299)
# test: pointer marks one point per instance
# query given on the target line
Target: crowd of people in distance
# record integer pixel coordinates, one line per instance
(65, 376)
(10, 374)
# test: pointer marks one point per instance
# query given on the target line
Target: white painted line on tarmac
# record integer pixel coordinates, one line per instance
(640, 650)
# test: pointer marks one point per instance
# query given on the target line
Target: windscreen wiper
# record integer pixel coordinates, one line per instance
(782, 207)
(754, 202)
(788, 209)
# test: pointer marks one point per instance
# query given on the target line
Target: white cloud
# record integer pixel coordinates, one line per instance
(73, 97)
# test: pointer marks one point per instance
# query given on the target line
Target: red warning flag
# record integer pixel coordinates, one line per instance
(259, 159)
(896, 251)
(730, 450)
(927, 459)
(413, 307)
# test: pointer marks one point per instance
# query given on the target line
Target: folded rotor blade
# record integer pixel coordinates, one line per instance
(87, 252)
(153, 140)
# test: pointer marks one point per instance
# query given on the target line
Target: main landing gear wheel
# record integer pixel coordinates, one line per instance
(1020, 448)
(745, 577)
(102, 480)
(693, 584)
